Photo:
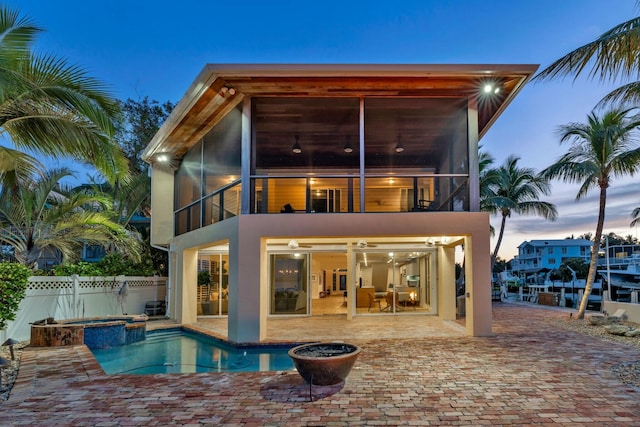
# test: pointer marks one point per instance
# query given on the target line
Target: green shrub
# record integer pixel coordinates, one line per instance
(114, 264)
(81, 268)
(14, 279)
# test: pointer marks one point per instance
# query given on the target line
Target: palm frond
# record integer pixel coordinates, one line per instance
(16, 32)
(612, 56)
(16, 167)
(626, 95)
(636, 217)
(52, 108)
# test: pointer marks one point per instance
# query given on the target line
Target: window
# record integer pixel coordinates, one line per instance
(188, 179)
(221, 152)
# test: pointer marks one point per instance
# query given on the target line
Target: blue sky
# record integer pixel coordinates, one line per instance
(156, 49)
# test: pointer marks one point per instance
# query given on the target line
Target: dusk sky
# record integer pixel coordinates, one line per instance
(157, 48)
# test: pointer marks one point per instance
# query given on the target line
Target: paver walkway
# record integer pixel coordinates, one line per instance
(529, 373)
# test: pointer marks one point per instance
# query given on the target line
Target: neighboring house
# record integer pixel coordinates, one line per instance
(291, 183)
(619, 255)
(545, 255)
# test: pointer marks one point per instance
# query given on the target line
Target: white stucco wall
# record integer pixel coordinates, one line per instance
(248, 281)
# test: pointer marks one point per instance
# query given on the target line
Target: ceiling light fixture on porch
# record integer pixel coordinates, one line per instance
(293, 244)
(362, 244)
(399, 146)
(296, 147)
(347, 147)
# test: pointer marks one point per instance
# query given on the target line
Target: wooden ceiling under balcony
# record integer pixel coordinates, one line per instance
(219, 88)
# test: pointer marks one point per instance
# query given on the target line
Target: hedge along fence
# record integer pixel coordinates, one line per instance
(71, 297)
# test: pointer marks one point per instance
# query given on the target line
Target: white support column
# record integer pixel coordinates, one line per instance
(187, 282)
(478, 285)
(161, 206)
(447, 283)
(247, 314)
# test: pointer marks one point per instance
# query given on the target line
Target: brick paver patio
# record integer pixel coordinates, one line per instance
(529, 373)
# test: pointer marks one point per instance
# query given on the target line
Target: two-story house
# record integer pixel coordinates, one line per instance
(293, 183)
(545, 255)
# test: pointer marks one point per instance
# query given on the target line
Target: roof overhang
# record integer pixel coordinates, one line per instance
(221, 87)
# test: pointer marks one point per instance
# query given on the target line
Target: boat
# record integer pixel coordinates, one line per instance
(627, 277)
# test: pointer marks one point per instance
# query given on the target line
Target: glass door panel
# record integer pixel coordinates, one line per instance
(289, 284)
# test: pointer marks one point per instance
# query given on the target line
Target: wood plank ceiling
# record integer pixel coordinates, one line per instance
(218, 89)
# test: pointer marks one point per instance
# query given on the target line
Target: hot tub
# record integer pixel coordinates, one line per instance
(102, 332)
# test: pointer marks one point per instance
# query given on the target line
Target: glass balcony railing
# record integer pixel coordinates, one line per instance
(382, 193)
(329, 194)
(218, 206)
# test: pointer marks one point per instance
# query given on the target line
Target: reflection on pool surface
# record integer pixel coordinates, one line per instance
(182, 352)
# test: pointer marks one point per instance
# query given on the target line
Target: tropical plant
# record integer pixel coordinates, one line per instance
(636, 217)
(43, 216)
(515, 189)
(114, 264)
(204, 278)
(488, 177)
(129, 198)
(613, 56)
(14, 279)
(578, 265)
(602, 148)
(51, 108)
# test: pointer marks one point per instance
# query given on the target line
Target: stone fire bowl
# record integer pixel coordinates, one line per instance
(324, 363)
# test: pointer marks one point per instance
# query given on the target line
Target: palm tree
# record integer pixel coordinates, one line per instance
(51, 108)
(515, 189)
(129, 198)
(636, 217)
(41, 216)
(487, 177)
(613, 56)
(602, 148)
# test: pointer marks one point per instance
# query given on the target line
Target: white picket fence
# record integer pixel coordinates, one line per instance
(72, 297)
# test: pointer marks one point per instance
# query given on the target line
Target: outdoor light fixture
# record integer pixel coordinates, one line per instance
(429, 242)
(399, 146)
(293, 244)
(163, 158)
(227, 90)
(10, 343)
(296, 147)
(489, 88)
(362, 244)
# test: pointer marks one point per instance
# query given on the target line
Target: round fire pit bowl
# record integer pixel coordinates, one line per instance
(324, 363)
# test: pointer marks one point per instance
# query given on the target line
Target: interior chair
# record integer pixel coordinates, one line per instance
(423, 205)
(389, 300)
(373, 301)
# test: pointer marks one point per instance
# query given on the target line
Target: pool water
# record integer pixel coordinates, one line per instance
(181, 352)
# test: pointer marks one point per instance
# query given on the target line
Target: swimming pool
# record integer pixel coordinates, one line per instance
(183, 352)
